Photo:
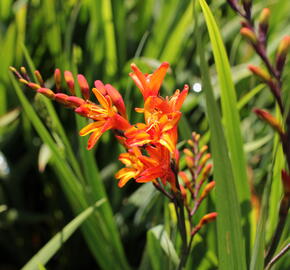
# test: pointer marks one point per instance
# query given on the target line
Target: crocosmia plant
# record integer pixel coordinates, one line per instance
(197, 178)
(151, 146)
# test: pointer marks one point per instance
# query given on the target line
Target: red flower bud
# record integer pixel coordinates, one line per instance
(84, 86)
(261, 73)
(39, 77)
(46, 92)
(270, 119)
(57, 79)
(249, 35)
(68, 76)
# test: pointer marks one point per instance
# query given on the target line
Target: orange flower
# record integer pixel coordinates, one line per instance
(133, 166)
(146, 168)
(105, 117)
(161, 119)
(149, 84)
(158, 131)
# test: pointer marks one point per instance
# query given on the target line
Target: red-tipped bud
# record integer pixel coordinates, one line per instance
(23, 71)
(264, 25)
(187, 152)
(33, 86)
(185, 178)
(61, 98)
(189, 162)
(270, 119)
(24, 81)
(57, 79)
(282, 53)
(208, 218)
(286, 183)
(84, 86)
(15, 73)
(69, 79)
(203, 149)
(284, 46)
(261, 73)
(117, 99)
(190, 143)
(205, 220)
(205, 172)
(101, 87)
(264, 17)
(249, 34)
(195, 136)
(39, 77)
(204, 160)
(207, 190)
(46, 92)
(75, 101)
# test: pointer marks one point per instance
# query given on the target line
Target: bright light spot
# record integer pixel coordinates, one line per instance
(4, 168)
(197, 87)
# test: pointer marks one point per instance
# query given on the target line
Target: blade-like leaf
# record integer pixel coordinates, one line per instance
(159, 244)
(230, 112)
(230, 244)
(55, 243)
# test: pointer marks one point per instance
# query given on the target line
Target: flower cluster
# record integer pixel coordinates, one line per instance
(150, 146)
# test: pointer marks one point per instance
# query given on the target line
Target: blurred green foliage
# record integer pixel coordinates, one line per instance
(100, 38)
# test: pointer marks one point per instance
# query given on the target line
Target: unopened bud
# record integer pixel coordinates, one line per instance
(84, 86)
(23, 81)
(101, 87)
(39, 77)
(264, 25)
(205, 172)
(208, 218)
(189, 162)
(264, 16)
(261, 73)
(46, 92)
(117, 99)
(206, 190)
(190, 143)
(57, 79)
(187, 152)
(15, 72)
(196, 136)
(270, 119)
(249, 35)
(33, 86)
(61, 98)
(184, 178)
(203, 149)
(75, 101)
(23, 71)
(205, 220)
(204, 160)
(282, 53)
(68, 76)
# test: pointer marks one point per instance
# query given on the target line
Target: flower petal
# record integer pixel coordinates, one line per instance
(157, 78)
(103, 101)
(91, 128)
(94, 138)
